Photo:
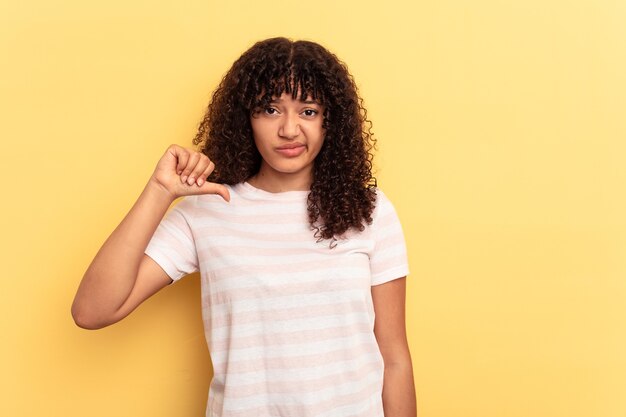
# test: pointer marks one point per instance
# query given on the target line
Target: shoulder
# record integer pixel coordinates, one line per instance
(202, 202)
(381, 197)
(383, 205)
(193, 206)
(186, 204)
(243, 199)
(385, 219)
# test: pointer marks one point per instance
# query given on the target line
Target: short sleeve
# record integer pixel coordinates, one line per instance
(388, 259)
(172, 246)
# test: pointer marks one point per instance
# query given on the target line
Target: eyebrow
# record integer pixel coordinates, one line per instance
(278, 100)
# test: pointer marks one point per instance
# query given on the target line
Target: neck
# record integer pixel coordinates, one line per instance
(276, 182)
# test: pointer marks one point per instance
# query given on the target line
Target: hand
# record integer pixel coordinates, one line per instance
(182, 172)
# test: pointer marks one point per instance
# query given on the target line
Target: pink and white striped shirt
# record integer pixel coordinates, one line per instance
(288, 320)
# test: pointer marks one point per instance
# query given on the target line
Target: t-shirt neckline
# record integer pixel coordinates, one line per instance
(249, 190)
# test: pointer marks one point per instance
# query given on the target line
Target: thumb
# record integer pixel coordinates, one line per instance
(214, 188)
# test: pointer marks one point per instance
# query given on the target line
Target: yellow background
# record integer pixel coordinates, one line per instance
(501, 128)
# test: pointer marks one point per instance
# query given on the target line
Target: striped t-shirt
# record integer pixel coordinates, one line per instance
(288, 320)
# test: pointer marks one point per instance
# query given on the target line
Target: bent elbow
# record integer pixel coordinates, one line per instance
(85, 320)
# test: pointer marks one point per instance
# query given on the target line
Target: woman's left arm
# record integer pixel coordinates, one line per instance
(398, 387)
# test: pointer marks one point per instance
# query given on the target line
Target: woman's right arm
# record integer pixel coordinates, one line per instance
(121, 276)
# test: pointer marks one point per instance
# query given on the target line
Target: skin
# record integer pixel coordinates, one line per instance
(121, 276)
(399, 399)
(287, 122)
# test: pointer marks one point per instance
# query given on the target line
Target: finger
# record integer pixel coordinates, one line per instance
(182, 156)
(196, 174)
(194, 157)
(205, 174)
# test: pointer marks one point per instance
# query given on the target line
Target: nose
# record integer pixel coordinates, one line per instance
(289, 127)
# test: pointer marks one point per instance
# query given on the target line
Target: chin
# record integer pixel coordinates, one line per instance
(289, 168)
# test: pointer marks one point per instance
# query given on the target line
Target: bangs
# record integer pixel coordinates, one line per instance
(292, 79)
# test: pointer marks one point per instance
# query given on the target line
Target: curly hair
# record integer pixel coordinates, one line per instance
(343, 189)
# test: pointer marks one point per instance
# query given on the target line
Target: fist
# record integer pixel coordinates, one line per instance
(183, 172)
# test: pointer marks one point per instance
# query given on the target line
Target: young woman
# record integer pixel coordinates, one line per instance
(302, 259)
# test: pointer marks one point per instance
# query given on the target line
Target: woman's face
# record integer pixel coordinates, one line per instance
(289, 135)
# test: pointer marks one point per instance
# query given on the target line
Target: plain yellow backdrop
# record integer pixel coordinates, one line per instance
(501, 128)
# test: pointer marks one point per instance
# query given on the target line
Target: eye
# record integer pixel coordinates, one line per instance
(270, 110)
(310, 112)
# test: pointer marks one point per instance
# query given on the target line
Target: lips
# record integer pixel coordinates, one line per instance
(291, 150)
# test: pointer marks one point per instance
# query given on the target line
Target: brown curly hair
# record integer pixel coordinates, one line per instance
(343, 191)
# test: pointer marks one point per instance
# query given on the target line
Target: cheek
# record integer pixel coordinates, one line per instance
(259, 133)
(259, 124)
(315, 132)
